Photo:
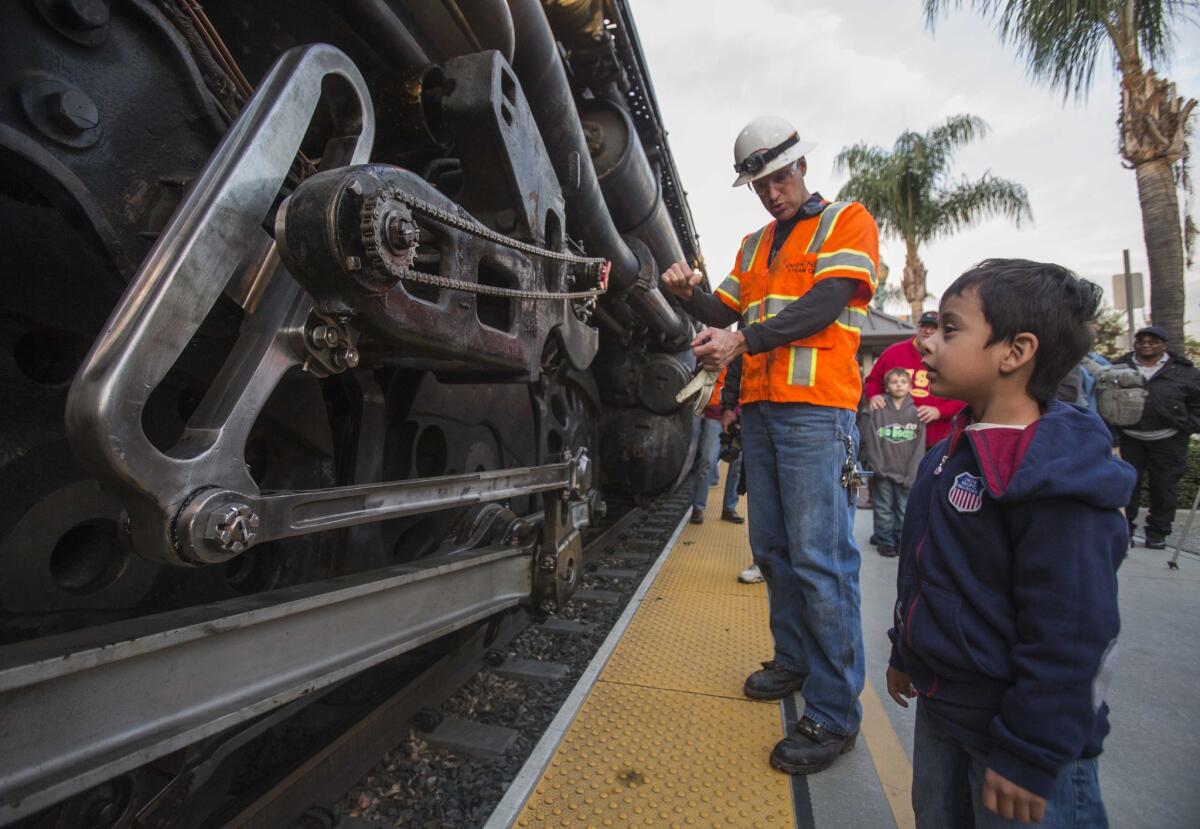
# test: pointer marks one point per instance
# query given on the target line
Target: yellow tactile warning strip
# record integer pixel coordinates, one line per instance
(697, 642)
(640, 756)
(666, 738)
(891, 762)
(707, 559)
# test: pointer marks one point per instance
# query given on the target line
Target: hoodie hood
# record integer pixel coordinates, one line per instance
(1067, 453)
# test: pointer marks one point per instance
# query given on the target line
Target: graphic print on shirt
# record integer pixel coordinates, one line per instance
(918, 379)
(966, 494)
(898, 432)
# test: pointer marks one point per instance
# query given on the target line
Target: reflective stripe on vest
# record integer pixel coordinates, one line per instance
(846, 260)
(731, 289)
(750, 248)
(829, 217)
(774, 303)
(853, 319)
(802, 365)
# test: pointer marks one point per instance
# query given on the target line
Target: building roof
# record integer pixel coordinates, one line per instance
(883, 329)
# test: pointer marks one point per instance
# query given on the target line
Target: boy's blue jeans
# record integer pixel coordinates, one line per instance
(801, 522)
(890, 499)
(707, 459)
(948, 781)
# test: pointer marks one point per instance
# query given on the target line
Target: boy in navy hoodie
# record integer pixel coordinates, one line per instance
(1006, 622)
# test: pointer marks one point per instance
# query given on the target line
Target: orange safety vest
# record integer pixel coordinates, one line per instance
(842, 241)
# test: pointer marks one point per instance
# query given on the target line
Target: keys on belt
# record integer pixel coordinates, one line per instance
(852, 476)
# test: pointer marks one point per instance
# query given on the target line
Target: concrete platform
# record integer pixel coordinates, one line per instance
(666, 739)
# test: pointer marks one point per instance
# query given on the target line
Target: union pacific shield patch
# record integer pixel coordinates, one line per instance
(966, 494)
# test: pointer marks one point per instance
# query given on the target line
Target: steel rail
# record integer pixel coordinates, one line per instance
(329, 772)
(332, 770)
(79, 708)
(596, 546)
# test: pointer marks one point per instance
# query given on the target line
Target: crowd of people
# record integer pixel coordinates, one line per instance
(1002, 503)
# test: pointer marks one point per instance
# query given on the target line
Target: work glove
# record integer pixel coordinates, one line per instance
(701, 386)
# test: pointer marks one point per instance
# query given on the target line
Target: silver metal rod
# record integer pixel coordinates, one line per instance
(217, 524)
(300, 513)
(1129, 297)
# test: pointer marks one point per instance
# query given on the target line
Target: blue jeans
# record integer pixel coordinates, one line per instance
(707, 459)
(890, 499)
(801, 534)
(948, 781)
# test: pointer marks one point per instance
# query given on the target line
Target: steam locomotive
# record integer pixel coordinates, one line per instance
(313, 310)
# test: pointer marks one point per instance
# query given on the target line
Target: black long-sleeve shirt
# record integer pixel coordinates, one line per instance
(732, 390)
(813, 312)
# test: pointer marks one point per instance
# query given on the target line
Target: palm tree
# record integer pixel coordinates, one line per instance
(1060, 41)
(912, 197)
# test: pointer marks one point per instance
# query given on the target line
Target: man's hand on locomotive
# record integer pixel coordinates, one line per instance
(716, 348)
(680, 279)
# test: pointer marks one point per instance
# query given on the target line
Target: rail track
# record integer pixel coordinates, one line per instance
(412, 705)
(294, 764)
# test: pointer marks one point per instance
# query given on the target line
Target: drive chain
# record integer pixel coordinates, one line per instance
(596, 266)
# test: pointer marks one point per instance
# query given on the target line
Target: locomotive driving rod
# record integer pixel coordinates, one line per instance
(216, 524)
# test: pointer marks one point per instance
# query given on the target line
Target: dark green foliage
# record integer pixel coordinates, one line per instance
(909, 189)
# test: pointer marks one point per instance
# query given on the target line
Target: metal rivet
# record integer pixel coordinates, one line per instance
(86, 14)
(72, 110)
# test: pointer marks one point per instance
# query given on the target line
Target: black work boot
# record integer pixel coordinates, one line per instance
(810, 748)
(1154, 542)
(772, 682)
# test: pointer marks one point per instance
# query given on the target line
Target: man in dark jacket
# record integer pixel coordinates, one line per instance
(1157, 445)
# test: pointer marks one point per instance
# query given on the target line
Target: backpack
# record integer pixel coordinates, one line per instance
(1089, 367)
(1120, 394)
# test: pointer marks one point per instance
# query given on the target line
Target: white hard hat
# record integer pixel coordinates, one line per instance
(765, 145)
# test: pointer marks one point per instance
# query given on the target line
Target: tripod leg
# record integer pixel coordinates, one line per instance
(1187, 526)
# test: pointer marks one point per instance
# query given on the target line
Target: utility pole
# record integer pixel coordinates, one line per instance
(1129, 297)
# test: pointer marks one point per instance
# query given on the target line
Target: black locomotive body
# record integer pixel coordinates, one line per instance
(301, 290)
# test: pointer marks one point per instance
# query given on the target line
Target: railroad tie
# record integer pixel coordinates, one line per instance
(476, 739)
(597, 596)
(532, 670)
(616, 573)
(567, 627)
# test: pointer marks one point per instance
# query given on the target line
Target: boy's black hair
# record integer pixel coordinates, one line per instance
(896, 372)
(1044, 299)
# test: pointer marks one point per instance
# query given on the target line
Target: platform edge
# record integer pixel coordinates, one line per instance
(514, 800)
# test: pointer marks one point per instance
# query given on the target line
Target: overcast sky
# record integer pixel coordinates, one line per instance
(849, 71)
